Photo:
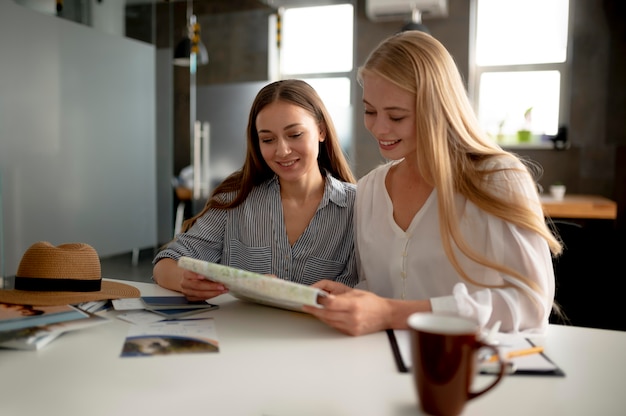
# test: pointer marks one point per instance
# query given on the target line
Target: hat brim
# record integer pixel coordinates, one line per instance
(108, 290)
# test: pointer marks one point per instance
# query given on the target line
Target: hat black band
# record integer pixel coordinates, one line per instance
(56, 285)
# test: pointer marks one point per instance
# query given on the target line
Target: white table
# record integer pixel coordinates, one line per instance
(280, 363)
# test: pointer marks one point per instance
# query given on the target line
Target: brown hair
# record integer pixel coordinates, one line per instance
(254, 170)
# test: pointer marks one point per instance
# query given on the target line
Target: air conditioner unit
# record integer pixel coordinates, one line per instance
(389, 10)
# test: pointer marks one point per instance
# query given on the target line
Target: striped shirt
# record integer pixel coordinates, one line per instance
(252, 236)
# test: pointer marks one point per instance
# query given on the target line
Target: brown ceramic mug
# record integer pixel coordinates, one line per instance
(444, 351)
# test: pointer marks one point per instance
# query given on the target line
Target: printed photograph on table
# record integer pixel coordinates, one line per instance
(171, 338)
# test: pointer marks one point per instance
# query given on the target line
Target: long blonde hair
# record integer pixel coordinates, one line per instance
(452, 146)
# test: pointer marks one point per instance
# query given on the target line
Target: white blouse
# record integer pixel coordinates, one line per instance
(412, 264)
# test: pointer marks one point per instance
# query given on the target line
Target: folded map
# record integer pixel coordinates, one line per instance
(255, 287)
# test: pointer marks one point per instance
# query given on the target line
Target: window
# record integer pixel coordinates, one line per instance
(518, 67)
(316, 45)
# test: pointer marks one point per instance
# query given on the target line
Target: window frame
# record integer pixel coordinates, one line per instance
(347, 143)
(475, 71)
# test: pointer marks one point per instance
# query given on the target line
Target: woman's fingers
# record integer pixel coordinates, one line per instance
(197, 287)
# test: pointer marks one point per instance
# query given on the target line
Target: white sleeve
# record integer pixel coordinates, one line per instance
(486, 306)
(518, 307)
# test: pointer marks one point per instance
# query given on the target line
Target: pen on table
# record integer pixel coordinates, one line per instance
(518, 353)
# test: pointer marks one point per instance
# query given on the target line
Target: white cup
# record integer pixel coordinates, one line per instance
(557, 192)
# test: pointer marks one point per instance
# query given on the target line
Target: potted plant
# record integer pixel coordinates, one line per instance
(524, 134)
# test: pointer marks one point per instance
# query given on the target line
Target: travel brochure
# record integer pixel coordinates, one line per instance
(189, 328)
(37, 337)
(173, 307)
(255, 287)
(32, 327)
(173, 302)
(14, 316)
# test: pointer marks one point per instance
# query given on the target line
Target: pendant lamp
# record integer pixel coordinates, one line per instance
(415, 23)
(191, 46)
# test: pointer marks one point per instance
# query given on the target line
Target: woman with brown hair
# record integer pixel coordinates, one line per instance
(287, 212)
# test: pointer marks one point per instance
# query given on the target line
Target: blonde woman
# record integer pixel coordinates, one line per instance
(452, 224)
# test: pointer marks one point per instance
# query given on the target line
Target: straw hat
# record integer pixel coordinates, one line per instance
(66, 274)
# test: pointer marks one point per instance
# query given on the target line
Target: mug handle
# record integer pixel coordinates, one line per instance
(480, 344)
